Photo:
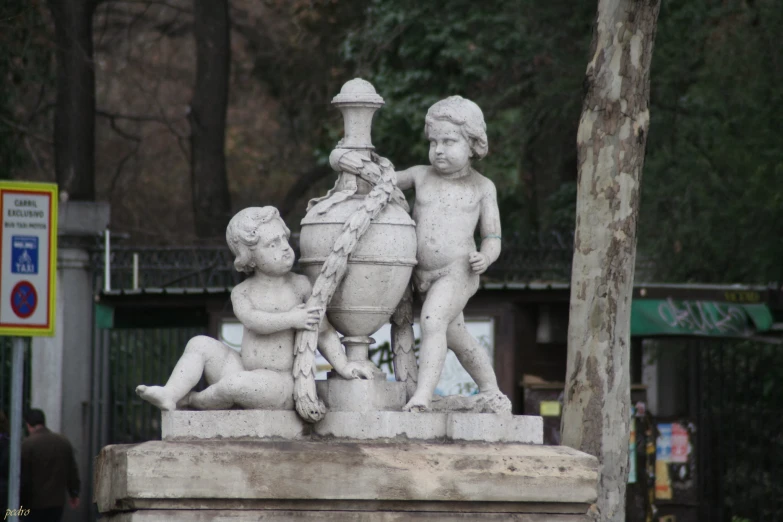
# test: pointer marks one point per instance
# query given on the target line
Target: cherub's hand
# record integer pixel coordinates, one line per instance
(303, 318)
(478, 262)
(357, 370)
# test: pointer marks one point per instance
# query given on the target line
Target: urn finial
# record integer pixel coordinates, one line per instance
(358, 101)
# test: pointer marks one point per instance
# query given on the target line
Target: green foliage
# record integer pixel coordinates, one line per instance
(522, 62)
(712, 198)
(712, 202)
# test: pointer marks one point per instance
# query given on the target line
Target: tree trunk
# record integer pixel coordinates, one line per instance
(211, 199)
(74, 118)
(611, 141)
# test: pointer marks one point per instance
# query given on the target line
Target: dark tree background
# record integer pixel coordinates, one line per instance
(211, 200)
(74, 118)
(711, 205)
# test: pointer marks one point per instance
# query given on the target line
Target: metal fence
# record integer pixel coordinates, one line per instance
(535, 257)
(166, 267)
(740, 390)
(128, 357)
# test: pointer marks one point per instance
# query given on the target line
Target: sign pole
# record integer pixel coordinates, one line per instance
(28, 274)
(15, 453)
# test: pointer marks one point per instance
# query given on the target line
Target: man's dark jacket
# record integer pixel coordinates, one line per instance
(48, 470)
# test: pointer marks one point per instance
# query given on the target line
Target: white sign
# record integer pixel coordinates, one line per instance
(28, 258)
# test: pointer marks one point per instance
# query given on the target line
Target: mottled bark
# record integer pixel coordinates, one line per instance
(211, 199)
(611, 141)
(74, 117)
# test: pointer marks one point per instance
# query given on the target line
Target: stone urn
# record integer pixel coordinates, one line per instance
(380, 266)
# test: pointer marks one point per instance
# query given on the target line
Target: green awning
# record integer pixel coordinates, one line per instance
(705, 318)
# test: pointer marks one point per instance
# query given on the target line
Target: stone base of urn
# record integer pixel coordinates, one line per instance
(237, 466)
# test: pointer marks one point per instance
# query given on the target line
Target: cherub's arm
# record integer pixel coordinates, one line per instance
(407, 178)
(265, 323)
(489, 227)
(328, 340)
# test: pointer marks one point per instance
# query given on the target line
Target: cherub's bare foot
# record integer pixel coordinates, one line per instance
(492, 402)
(158, 396)
(417, 405)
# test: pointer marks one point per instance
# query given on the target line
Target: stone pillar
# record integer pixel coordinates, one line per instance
(61, 364)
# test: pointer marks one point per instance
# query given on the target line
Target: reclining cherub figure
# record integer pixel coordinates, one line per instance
(270, 306)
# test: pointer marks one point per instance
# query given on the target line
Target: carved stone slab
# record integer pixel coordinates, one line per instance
(524, 429)
(352, 476)
(378, 425)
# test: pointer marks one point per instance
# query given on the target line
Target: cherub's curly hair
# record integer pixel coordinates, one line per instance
(467, 115)
(242, 232)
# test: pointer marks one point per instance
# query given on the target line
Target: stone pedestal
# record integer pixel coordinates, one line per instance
(294, 480)
(353, 466)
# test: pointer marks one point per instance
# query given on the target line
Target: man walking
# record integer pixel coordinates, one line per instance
(48, 471)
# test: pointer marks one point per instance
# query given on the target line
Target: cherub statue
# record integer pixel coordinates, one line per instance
(452, 199)
(270, 306)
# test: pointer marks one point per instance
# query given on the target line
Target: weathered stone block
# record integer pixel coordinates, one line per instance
(329, 476)
(361, 395)
(349, 425)
(432, 426)
(232, 424)
(489, 427)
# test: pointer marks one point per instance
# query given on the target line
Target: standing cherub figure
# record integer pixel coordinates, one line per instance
(452, 199)
(270, 306)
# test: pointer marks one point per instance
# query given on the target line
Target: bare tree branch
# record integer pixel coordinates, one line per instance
(33, 155)
(130, 117)
(113, 123)
(24, 130)
(162, 3)
(121, 165)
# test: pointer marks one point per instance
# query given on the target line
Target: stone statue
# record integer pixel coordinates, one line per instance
(452, 199)
(361, 255)
(270, 305)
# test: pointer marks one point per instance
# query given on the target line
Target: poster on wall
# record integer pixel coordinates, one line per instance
(680, 446)
(663, 444)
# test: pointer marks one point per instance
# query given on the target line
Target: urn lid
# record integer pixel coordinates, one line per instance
(358, 91)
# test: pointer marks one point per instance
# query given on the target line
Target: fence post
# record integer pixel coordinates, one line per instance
(15, 452)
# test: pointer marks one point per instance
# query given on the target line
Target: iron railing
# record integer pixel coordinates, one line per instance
(541, 257)
(740, 426)
(129, 357)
